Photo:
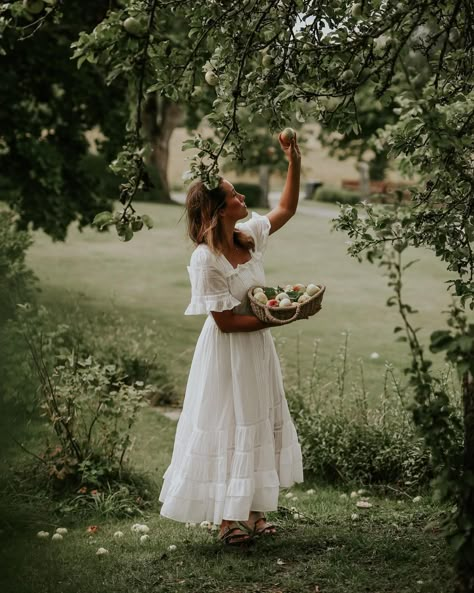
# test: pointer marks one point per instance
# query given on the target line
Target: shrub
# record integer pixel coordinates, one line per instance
(344, 440)
(334, 194)
(252, 192)
(17, 282)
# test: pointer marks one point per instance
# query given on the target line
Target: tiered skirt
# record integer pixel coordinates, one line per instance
(235, 443)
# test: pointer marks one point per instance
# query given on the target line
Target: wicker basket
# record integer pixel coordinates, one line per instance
(284, 315)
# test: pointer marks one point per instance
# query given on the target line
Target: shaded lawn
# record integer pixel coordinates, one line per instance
(391, 548)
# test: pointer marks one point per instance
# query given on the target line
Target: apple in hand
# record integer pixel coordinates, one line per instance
(287, 136)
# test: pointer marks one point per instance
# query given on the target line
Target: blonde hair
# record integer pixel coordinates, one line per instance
(203, 221)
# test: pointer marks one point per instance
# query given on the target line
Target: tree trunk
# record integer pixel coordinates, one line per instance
(160, 117)
(466, 515)
(264, 182)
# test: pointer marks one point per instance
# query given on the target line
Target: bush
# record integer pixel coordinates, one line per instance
(344, 441)
(334, 194)
(252, 192)
(17, 282)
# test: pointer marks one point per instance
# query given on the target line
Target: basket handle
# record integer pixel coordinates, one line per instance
(282, 321)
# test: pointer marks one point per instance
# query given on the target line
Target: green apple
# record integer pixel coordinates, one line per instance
(257, 290)
(285, 303)
(211, 78)
(312, 289)
(133, 26)
(287, 135)
(261, 298)
(267, 61)
(347, 75)
(356, 10)
(33, 6)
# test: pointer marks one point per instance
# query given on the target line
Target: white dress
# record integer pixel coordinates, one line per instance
(235, 443)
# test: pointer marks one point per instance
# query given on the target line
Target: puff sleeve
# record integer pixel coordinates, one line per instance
(209, 288)
(259, 228)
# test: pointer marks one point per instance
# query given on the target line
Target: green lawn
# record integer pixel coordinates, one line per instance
(146, 279)
(390, 548)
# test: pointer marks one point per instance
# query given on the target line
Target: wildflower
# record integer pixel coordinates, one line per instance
(94, 492)
(354, 494)
(289, 495)
(361, 492)
(416, 499)
(42, 534)
(118, 534)
(296, 516)
(92, 529)
(343, 496)
(61, 530)
(280, 562)
(374, 355)
(172, 548)
(82, 490)
(205, 524)
(57, 537)
(354, 516)
(214, 527)
(310, 491)
(363, 504)
(102, 551)
(144, 538)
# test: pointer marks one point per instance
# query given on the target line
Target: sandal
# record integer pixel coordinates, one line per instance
(268, 529)
(229, 537)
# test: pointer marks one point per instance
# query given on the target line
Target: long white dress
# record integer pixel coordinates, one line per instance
(235, 443)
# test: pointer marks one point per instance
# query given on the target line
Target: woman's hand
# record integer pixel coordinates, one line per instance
(292, 150)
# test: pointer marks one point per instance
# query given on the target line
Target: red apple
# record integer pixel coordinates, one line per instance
(272, 303)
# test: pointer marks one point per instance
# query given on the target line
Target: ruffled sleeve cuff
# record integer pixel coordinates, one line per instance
(203, 305)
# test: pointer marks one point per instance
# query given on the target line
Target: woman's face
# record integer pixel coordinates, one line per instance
(235, 207)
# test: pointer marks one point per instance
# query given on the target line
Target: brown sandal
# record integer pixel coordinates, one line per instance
(229, 537)
(269, 528)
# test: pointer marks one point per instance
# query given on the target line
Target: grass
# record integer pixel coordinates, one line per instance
(146, 279)
(392, 547)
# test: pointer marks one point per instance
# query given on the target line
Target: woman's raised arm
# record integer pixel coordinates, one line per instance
(288, 203)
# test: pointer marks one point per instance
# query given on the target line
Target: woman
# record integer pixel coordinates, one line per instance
(235, 443)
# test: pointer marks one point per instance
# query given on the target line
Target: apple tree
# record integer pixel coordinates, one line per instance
(321, 58)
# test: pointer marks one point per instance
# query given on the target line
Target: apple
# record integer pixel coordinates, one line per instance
(33, 6)
(272, 303)
(281, 296)
(299, 287)
(257, 289)
(312, 289)
(347, 75)
(356, 10)
(287, 135)
(137, 225)
(267, 61)
(261, 298)
(211, 78)
(133, 26)
(303, 298)
(285, 303)
(288, 287)
(454, 35)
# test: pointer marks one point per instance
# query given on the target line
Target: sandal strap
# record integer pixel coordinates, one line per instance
(229, 533)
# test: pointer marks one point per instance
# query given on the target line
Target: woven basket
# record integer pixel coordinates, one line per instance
(284, 315)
